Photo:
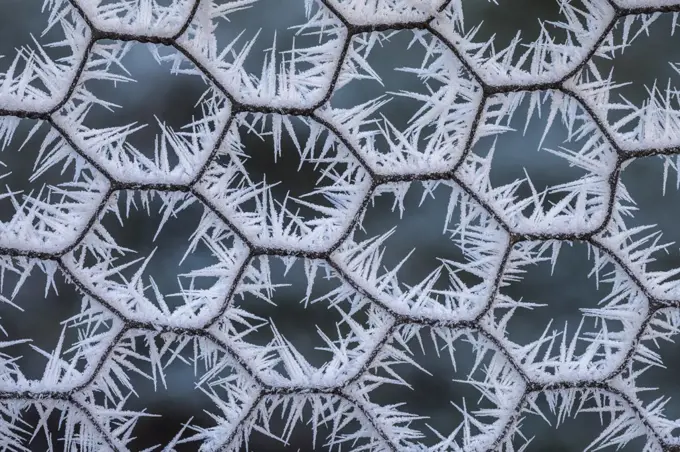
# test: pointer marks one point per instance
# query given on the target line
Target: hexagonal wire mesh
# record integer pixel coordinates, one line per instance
(314, 225)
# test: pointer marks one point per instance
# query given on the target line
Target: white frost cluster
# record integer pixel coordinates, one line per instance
(309, 94)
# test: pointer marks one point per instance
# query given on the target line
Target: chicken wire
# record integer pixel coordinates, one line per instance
(63, 220)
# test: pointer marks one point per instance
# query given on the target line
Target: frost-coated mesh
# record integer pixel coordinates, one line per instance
(314, 225)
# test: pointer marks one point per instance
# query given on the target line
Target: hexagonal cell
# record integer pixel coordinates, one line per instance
(375, 12)
(267, 55)
(285, 181)
(572, 419)
(408, 115)
(51, 335)
(643, 228)
(50, 192)
(299, 422)
(49, 425)
(45, 43)
(157, 18)
(159, 257)
(169, 391)
(440, 389)
(426, 250)
(566, 311)
(275, 297)
(157, 123)
(565, 188)
(547, 39)
(650, 380)
(635, 91)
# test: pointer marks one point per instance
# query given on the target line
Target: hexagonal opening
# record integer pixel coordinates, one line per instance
(545, 41)
(271, 161)
(141, 235)
(286, 181)
(647, 198)
(541, 162)
(154, 121)
(568, 312)
(286, 60)
(425, 249)
(440, 387)
(183, 391)
(568, 420)
(635, 90)
(417, 110)
(275, 297)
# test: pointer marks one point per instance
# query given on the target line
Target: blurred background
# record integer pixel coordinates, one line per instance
(565, 290)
